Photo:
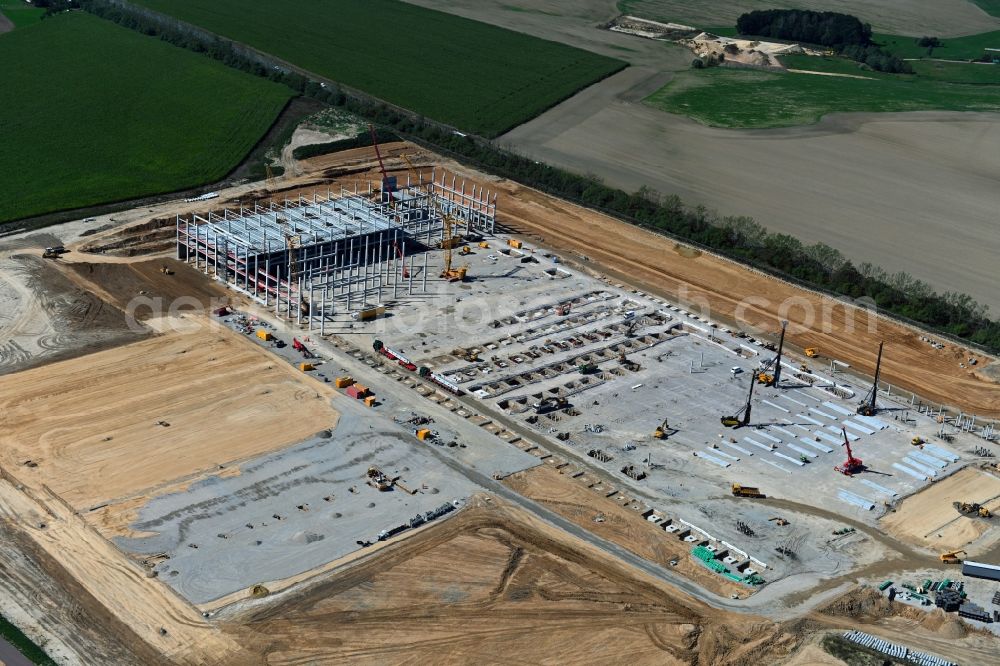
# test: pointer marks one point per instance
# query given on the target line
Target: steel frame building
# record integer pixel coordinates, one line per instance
(312, 258)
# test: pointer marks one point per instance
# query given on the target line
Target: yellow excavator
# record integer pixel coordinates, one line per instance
(953, 557)
(662, 430)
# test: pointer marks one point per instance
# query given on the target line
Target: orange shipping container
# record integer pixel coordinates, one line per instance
(343, 382)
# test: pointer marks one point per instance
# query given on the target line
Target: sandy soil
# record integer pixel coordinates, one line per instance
(621, 525)
(89, 425)
(524, 594)
(929, 519)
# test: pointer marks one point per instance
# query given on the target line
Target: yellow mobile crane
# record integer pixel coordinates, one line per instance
(448, 239)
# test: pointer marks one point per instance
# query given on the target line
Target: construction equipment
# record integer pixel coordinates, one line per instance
(952, 557)
(377, 479)
(423, 434)
(852, 465)
(402, 259)
(514, 243)
(629, 365)
(50, 253)
(388, 182)
(773, 379)
(166, 270)
(812, 352)
(867, 406)
(450, 274)
(778, 521)
(465, 250)
(742, 417)
(563, 309)
(972, 508)
(550, 404)
(301, 348)
(448, 239)
(917, 441)
(747, 491)
(484, 245)
(662, 430)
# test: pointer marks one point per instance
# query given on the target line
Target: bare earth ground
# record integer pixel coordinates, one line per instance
(89, 425)
(619, 524)
(908, 192)
(928, 518)
(524, 594)
(719, 288)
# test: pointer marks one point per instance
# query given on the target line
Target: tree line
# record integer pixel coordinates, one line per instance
(844, 33)
(817, 266)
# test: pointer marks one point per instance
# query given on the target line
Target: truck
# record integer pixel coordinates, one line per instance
(747, 491)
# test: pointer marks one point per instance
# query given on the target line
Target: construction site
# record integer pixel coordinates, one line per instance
(265, 428)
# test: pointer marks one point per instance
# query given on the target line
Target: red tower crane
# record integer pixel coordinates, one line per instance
(852, 465)
(388, 182)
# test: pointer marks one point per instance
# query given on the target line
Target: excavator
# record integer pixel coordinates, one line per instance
(742, 417)
(972, 508)
(662, 431)
(953, 557)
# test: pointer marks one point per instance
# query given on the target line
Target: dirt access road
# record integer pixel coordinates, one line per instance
(912, 192)
(719, 288)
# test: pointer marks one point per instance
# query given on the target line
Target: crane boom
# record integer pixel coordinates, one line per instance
(868, 406)
(777, 361)
(388, 182)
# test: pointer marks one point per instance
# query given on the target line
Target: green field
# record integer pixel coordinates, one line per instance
(20, 13)
(991, 7)
(470, 75)
(953, 48)
(756, 99)
(95, 113)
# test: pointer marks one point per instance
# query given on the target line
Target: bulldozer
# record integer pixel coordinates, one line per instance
(953, 557)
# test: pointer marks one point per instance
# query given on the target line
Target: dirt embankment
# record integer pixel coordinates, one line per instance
(721, 289)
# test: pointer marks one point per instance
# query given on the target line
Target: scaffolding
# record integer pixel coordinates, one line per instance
(312, 258)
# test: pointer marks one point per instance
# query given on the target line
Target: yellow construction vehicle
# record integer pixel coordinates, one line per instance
(764, 378)
(747, 491)
(953, 557)
(972, 508)
(917, 441)
(484, 245)
(662, 430)
(465, 250)
(448, 239)
(377, 479)
(812, 352)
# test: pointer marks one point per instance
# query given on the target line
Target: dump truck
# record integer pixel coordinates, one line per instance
(747, 491)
